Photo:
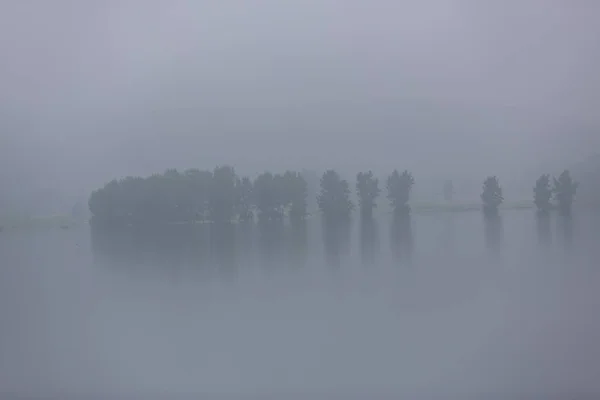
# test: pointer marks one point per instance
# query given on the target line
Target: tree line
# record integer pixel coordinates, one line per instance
(221, 196)
(562, 190)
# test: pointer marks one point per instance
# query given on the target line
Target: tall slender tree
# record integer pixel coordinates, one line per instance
(542, 194)
(222, 198)
(244, 197)
(367, 188)
(295, 193)
(491, 196)
(334, 198)
(268, 195)
(564, 192)
(399, 187)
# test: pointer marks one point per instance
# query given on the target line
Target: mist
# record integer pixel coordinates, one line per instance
(446, 306)
(124, 88)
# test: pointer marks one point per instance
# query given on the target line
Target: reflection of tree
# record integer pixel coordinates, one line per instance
(298, 242)
(111, 246)
(222, 240)
(369, 241)
(493, 232)
(402, 237)
(167, 248)
(544, 233)
(270, 242)
(244, 240)
(565, 227)
(336, 237)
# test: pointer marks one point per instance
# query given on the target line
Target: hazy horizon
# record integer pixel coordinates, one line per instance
(461, 89)
(162, 295)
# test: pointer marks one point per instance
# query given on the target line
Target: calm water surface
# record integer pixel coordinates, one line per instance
(438, 304)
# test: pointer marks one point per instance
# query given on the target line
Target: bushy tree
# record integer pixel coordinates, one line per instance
(180, 200)
(199, 189)
(269, 197)
(334, 197)
(367, 188)
(222, 197)
(542, 194)
(244, 197)
(491, 195)
(295, 194)
(564, 192)
(399, 187)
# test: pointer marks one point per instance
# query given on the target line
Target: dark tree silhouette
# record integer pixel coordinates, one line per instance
(399, 187)
(295, 194)
(564, 192)
(491, 196)
(312, 188)
(367, 188)
(334, 198)
(269, 196)
(199, 189)
(222, 198)
(244, 191)
(542, 194)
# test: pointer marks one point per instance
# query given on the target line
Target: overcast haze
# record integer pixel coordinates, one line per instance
(145, 299)
(96, 90)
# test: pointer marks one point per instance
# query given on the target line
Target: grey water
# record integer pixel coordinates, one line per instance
(438, 305)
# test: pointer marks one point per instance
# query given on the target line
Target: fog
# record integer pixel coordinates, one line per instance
(92, 92)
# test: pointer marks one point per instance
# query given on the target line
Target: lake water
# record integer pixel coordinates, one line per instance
(442, 304)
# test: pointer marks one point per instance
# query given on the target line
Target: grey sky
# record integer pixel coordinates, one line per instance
(93, 90)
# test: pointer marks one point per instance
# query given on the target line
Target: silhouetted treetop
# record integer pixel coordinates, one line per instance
(564, 192)
(491, 196)
(334, 198)
(367, 189)
(399, 187)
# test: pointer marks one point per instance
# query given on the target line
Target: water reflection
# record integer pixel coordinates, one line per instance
(208, 251)
(494, 234)
(222, 245)
(298, 246)
(172, 249)
(244, 241)
(369, 240)
(336, 238)
(271, 240)
(402, 238)
(55, 305)
(565, 231)
(544, 232)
